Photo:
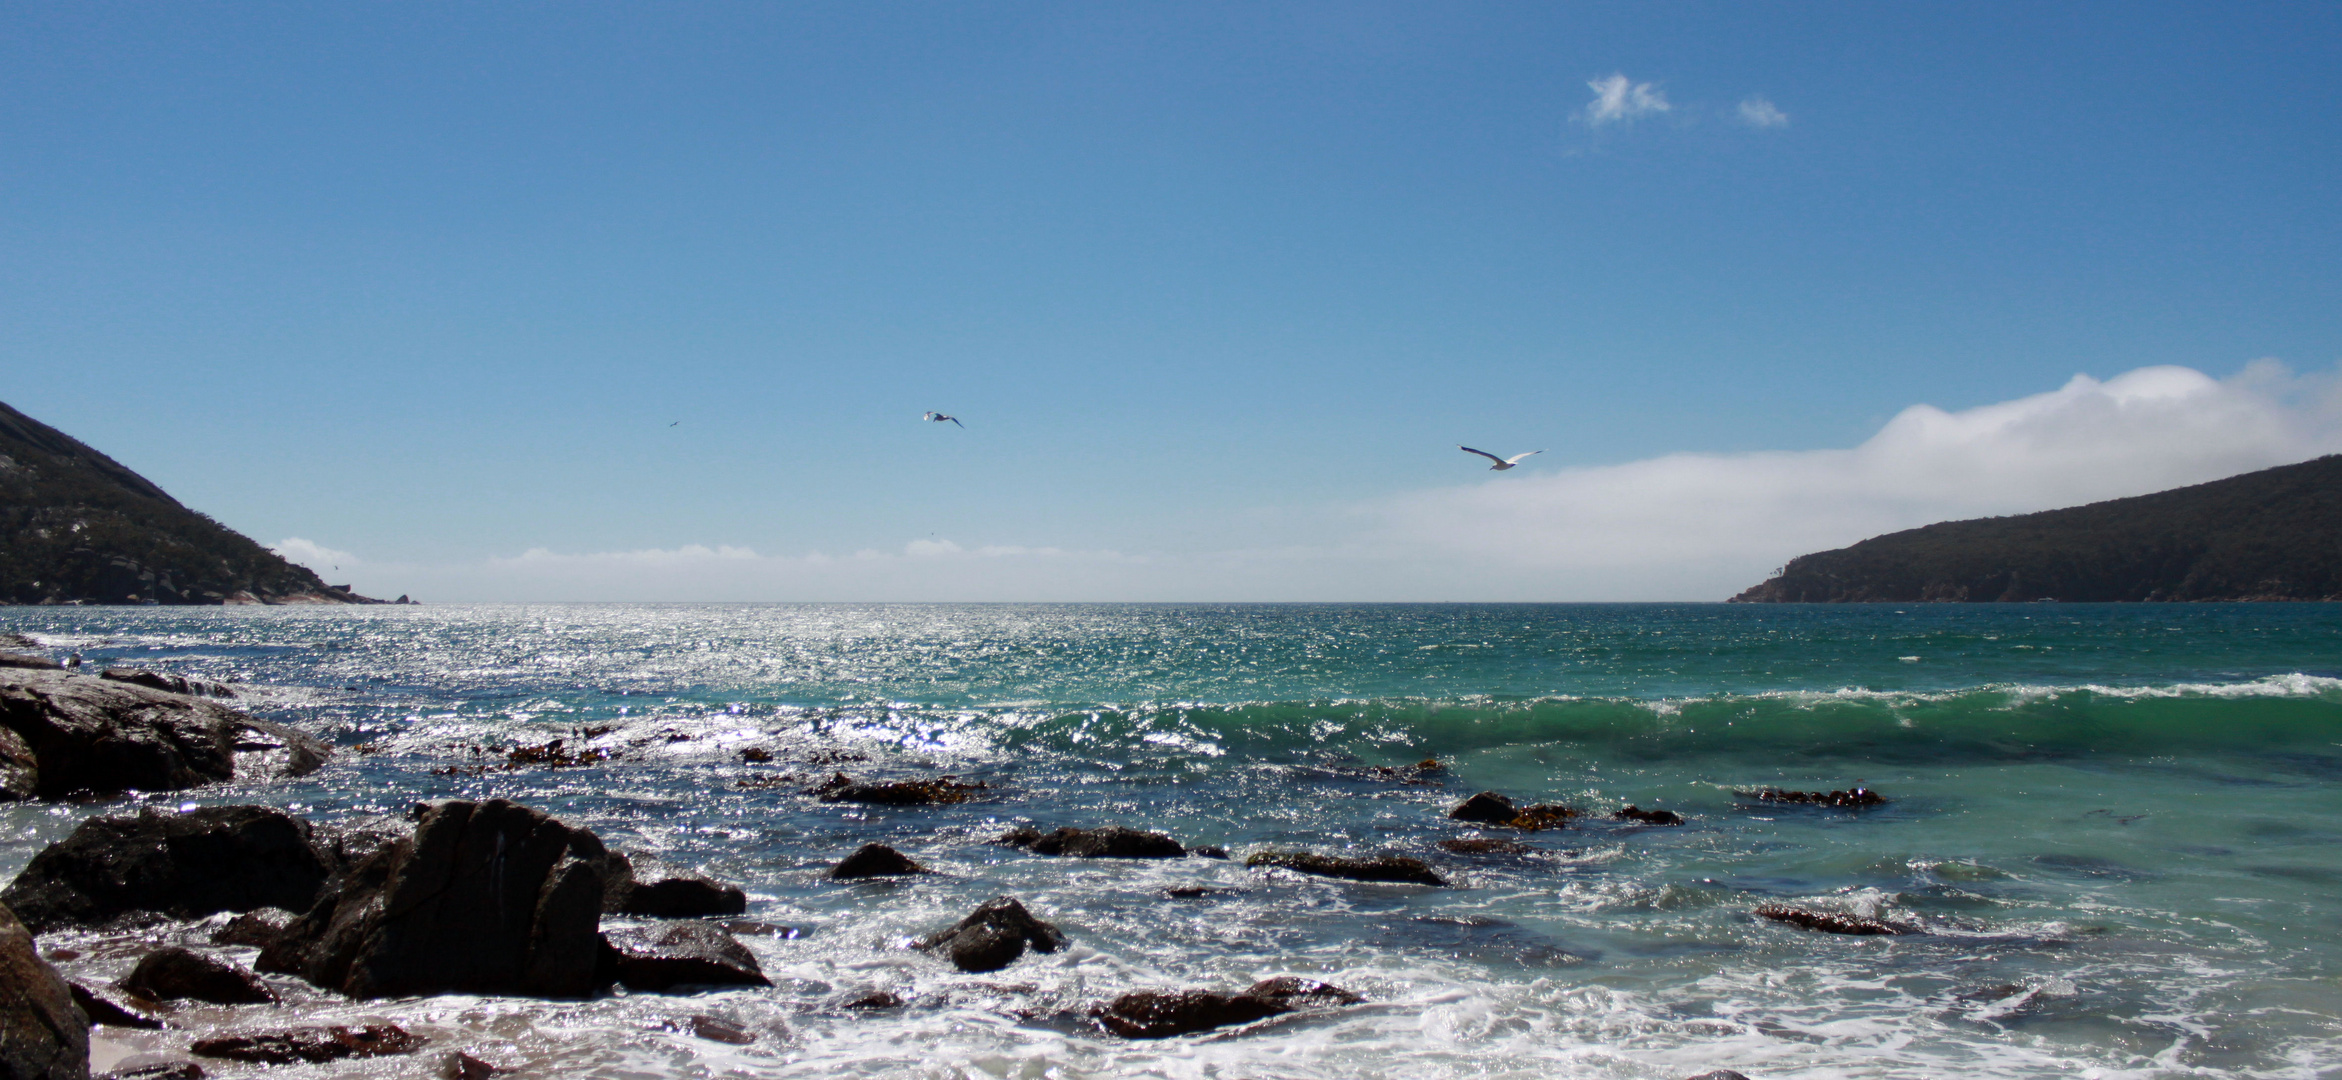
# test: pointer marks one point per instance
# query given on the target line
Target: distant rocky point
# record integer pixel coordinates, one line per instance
(2267, 535)
(77, 527)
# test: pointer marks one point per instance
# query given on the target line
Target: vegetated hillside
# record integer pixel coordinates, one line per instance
(2269, 535)
(78, 527)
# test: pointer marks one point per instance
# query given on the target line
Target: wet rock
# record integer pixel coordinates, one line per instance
(1209, 851)
(1111, 842)
(1852, 797)
(723, 1031)
(103, 737)
(43, 1034)
(110, 1009)
(462, 1066)
(486, 898)
(756, 755)
(936, 791)
(1718, 1074)
(875, 860)
(312, 1044)
(28, 662)
(1485, 846)
(161, 1070)
(1491, 808)
(258, 928)
(1158, 1014)
(20, 771)
(875, 999)
(175, 974)
(1647, 817)
(760, 928)
(994, 936)
(1828, 922)
(186, 866)
(1397, 868)
(169, 684)
(1426, 771)
(682, 954)
(1488, 808)
(684, 897)
(1198, 892)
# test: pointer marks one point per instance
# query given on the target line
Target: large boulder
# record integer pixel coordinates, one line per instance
(485, 898)
(1111, 842)
(682, 954)
(20, 771)
(994, 936)
(102, 737)
(43, 1034)
(1157, 1014)
(188, 865)
(875, 860)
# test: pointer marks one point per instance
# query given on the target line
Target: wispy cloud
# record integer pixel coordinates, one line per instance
(313, 555)
(1618, 99)
(1757, 112)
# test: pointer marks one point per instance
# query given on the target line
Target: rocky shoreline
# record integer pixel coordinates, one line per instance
(490, 897)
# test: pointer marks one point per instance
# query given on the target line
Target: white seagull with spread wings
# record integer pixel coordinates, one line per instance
(1501, 463)
(941, 417)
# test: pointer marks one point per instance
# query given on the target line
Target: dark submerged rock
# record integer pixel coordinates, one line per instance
(931, 792)
(174, 974)
(1397, 868)
(105, 737)
(487, 898)
(1647, 817)
(1111, 842)
(682, 954)
(43, 1034)
(1852, 797)
(684, 897)
(186, 866)
(1158, 1014)
(875, 999)
(717, 1030)
(161, 1070)
(994, 936)
(1828, 922)
(1719, 1074)
(109, 1009)
(1485, 846)
(459, 1065)
(312, 1044)
(259, 928)
(875, 860)
(28, 662)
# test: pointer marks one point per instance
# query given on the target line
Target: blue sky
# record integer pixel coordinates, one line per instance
(1216, 288)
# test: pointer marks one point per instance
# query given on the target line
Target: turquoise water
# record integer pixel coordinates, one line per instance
(2115, 825)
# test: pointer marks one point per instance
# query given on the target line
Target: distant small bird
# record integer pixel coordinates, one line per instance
(941, 417)
(676, 422)
(1501, 463)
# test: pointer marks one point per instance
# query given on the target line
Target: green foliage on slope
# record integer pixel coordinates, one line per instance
(2269, 535)
(76, 526)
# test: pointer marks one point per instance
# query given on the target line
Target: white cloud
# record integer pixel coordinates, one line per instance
(1756, 112)
(1618, 99)
(313, 555)
(1707, 525)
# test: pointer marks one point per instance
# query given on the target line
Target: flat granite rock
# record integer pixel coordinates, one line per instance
(1111, 842)
(1402, 869)
(103, 737)
(682, 954)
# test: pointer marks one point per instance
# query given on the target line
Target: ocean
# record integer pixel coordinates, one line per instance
(2112, 828)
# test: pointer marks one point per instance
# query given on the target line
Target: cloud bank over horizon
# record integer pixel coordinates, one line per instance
(1675, 527)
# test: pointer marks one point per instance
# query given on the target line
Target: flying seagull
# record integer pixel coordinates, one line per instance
(1501, 463)
(941, 417)
(676, 422)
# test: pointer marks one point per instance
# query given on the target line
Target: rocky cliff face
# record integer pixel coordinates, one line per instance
(2268, 535)
(78, 527)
